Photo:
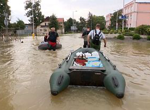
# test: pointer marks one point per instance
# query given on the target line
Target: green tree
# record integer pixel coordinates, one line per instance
(53, 22)
(4, 8)
(68, 24)
(20, 24)
(81, 24)
(93, 20)
(100, 20)
(90, 20)
(114, 18)
(38, 17)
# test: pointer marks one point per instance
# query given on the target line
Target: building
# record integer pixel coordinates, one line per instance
(27, 31)
(138, 13)
(108, 20)
(43, 28)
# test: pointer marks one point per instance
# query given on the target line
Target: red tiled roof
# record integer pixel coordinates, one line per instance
(60, 20)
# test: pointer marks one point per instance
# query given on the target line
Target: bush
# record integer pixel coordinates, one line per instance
(115, 31)
(106, 32)
(148, 37)
(148, 31)
(143, 29)
(131, 29)
(121, 37)
(111, 32)
(119, 31)
(129, 34)
(126, 30)
(136, 37)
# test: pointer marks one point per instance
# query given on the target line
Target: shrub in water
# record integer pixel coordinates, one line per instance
(121, 37)
(148, 37)
(136, 37)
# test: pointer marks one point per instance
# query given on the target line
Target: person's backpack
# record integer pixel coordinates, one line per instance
(96, 38)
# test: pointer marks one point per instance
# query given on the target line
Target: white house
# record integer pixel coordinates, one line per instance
(43, 28)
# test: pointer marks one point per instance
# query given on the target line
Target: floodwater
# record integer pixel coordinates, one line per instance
(25, 73)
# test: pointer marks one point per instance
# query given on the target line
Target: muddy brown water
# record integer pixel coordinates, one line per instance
(25, 73)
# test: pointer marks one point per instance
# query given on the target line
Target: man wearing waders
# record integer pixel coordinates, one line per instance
(94, 38)
(84, 36)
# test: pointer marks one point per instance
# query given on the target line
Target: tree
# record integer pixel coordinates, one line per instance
(89, 22)
(53, 22)
(68, 24)
(38, 17)
(20, 24)
(114, 18)
(4, 8)
(100, 20)
(81, 24)
(93, 20)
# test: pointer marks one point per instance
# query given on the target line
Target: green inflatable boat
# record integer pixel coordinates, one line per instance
(106, 75)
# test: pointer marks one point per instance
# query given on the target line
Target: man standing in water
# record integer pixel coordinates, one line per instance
(53, 39)
(94, 38)
(84, 36)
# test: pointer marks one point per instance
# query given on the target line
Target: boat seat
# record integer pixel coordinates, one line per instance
(87, 68)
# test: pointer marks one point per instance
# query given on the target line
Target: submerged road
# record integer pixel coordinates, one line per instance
(25, 73)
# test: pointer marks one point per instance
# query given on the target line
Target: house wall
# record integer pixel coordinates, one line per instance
(43, 28)
(138, 13)
(108, 20)
(143, 15)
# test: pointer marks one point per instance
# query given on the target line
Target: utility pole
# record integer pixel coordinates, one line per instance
(117, 21)
(33, 15)
(123, 16)
(6, 23)
(73, 21)
(91, 19)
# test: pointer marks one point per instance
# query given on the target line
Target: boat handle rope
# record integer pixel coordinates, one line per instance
(59, 65)
(68, 58)
(114, 66)
(60, 79)
(115, 81)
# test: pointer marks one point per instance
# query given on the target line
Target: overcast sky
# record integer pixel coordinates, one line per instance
(65, 8)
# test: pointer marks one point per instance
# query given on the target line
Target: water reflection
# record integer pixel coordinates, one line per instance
(25, 72)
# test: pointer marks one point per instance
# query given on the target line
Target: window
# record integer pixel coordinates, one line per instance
(45, 30)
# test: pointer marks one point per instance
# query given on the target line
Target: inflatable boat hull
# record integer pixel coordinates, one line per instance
(45, 46)
(107, 76)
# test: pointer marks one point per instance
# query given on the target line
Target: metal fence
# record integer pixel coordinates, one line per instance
(24, 32)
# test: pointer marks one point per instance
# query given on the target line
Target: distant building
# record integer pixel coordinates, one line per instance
(27, 31)
(137, 13)
(108, 20)
(43, 28)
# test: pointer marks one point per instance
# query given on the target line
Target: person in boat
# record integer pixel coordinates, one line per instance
(46, 37)
(94, 38)
(84, 36)
(53, 39)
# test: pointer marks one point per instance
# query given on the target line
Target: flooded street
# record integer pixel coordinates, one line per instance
(25, 73)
